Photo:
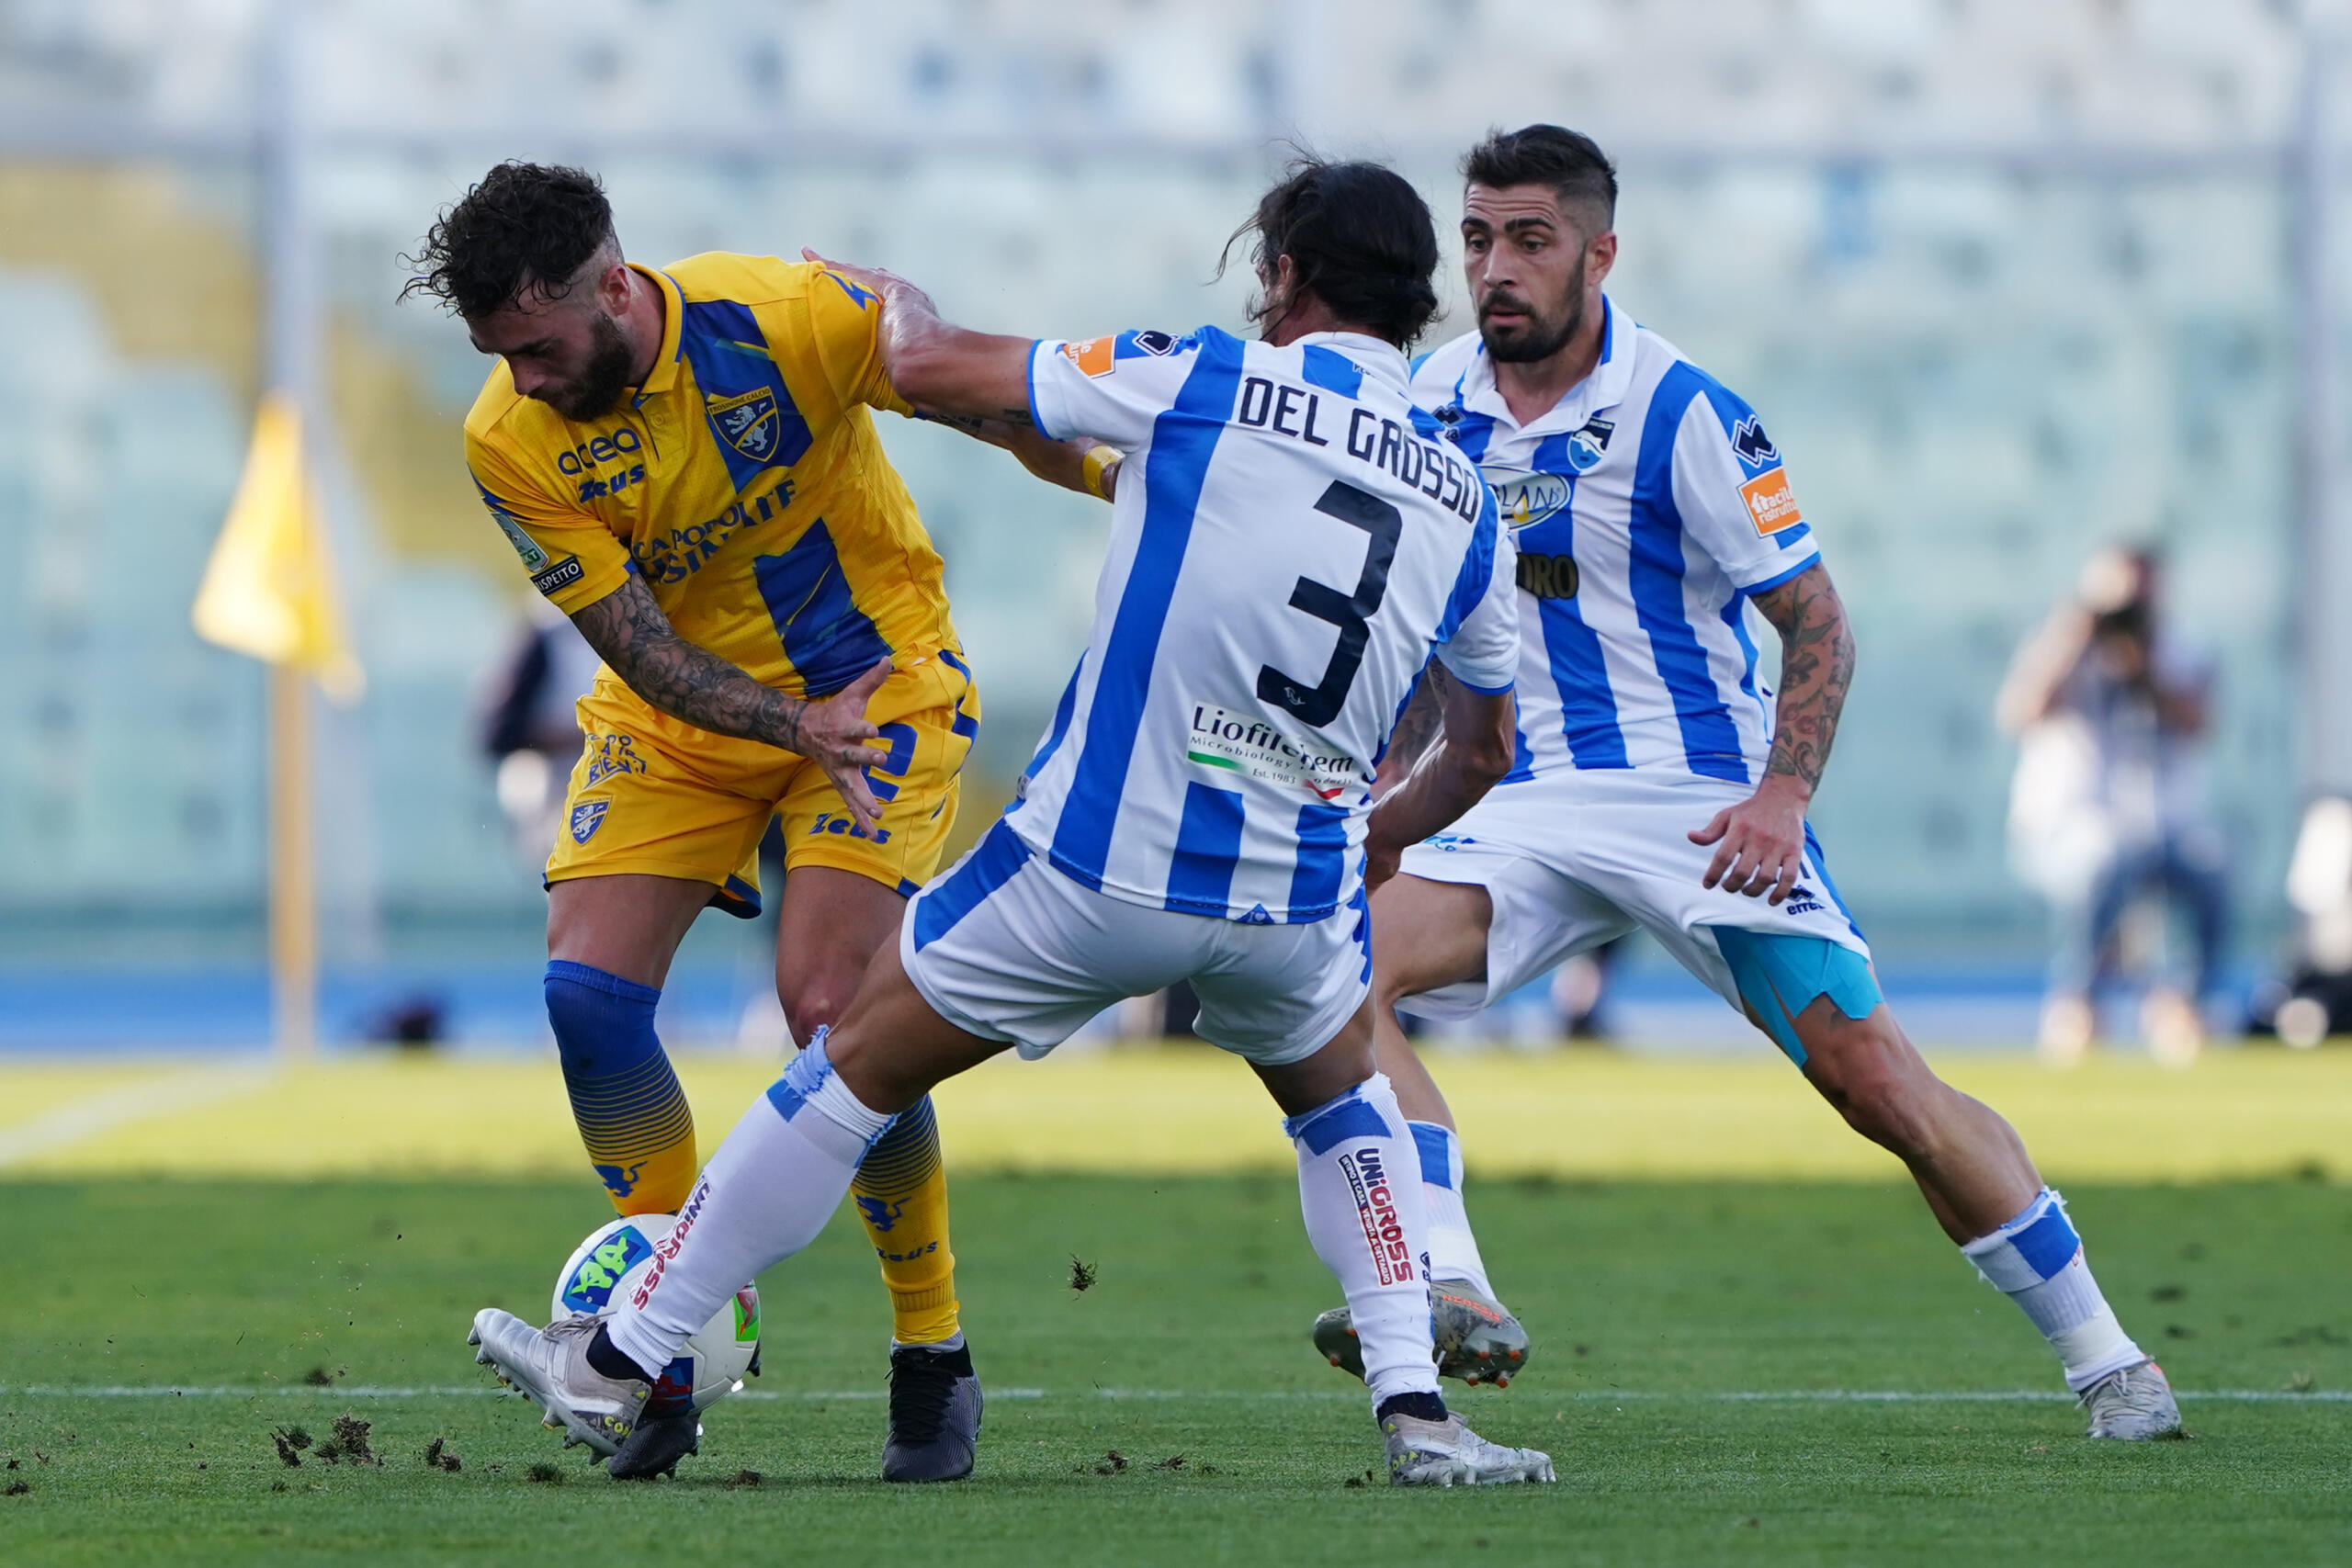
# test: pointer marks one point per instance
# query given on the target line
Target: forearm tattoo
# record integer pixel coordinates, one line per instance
(628, 629)
(1422, 722)
(1816, 667)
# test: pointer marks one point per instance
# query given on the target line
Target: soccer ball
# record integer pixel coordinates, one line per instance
(614, 1261)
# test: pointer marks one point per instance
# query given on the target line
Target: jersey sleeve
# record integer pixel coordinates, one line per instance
(1479, 637)
(845, 328)
(572, 557)
(1112, 389)
(1734, 497)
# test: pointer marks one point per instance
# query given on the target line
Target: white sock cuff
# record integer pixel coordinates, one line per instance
(1367, 1111)
(810, 1083)
(2030, 1250)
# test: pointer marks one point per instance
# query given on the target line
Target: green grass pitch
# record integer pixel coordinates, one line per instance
(1685, 1334)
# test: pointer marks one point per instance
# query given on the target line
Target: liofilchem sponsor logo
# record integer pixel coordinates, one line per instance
(1250, 746)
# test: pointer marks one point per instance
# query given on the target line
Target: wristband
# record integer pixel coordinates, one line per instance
(1099, 461)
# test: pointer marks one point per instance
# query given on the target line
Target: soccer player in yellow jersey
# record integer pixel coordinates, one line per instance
(684, 460)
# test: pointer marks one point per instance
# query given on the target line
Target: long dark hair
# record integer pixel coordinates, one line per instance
(1359, 239)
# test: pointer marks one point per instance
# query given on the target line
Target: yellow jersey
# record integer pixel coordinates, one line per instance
(743, 482)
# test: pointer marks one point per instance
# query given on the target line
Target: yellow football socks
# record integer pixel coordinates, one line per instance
(901, 1194)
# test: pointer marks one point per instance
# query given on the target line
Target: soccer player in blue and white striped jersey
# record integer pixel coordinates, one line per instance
(1658, 782)
(1287, 553)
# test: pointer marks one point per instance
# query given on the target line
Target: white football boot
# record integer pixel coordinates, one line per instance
(550, 1366)
(1447, 1454)
(2134, 1405)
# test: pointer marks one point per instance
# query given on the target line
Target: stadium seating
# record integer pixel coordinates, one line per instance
(1983, 345)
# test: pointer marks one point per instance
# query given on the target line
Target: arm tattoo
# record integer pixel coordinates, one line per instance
(1422, 722)
(628, 629)
(1816, 667)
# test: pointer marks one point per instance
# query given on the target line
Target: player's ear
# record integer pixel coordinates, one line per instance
(612, 287)
(1600, 256)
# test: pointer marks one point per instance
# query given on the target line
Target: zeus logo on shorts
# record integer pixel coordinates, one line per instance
(615, 754)
(1376, 1208)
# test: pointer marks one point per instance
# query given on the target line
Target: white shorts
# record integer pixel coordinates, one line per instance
(1007, 948)
(1573, 860)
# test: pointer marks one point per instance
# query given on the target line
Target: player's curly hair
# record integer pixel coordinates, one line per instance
(1359, 239)
(524, 226)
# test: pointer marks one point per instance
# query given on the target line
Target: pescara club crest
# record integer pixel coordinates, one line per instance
(1585, 445)
(748, 423)
(1526, 498)
(586, 818)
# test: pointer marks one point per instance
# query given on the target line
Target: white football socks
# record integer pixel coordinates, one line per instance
(1356, 1165)
(1453, 1251)
(767, 1193)
(2037, 1261)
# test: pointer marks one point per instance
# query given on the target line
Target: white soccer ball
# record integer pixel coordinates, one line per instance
(615, 1260)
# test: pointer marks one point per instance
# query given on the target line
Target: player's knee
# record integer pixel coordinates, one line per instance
(1879, 1088)
(814, 999)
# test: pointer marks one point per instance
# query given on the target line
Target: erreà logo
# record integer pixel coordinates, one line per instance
(1755, 448)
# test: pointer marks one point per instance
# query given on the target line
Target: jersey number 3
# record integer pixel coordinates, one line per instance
(1320, 703)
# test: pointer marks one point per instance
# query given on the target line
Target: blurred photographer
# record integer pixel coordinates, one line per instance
(2111, 712)
(527, 729)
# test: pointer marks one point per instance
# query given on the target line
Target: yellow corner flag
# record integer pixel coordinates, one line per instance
(268, 590)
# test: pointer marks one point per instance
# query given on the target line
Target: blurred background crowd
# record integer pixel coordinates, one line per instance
(2042, 299)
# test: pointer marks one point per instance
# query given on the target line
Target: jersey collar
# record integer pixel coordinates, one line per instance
(665, 364)
(1605, 388)
(1383, 361)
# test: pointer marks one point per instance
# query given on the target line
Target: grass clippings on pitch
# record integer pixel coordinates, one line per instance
(1712, 1368)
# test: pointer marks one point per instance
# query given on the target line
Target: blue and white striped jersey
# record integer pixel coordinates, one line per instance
(1648, 507)
(1285, 555)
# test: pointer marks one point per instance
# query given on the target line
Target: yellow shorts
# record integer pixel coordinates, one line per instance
(655, 795)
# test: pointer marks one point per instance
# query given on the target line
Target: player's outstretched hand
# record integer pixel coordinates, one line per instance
(833, 735)
(1759, 843)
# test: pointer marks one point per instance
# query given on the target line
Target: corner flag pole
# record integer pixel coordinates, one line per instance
(269, 592)
(293, 893)
(269, 589)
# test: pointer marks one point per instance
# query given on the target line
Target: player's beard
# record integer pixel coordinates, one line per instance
(1540, 336)
(598, 388)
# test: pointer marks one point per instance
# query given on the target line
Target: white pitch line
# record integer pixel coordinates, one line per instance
(87, 1119)
(1746, 1396)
